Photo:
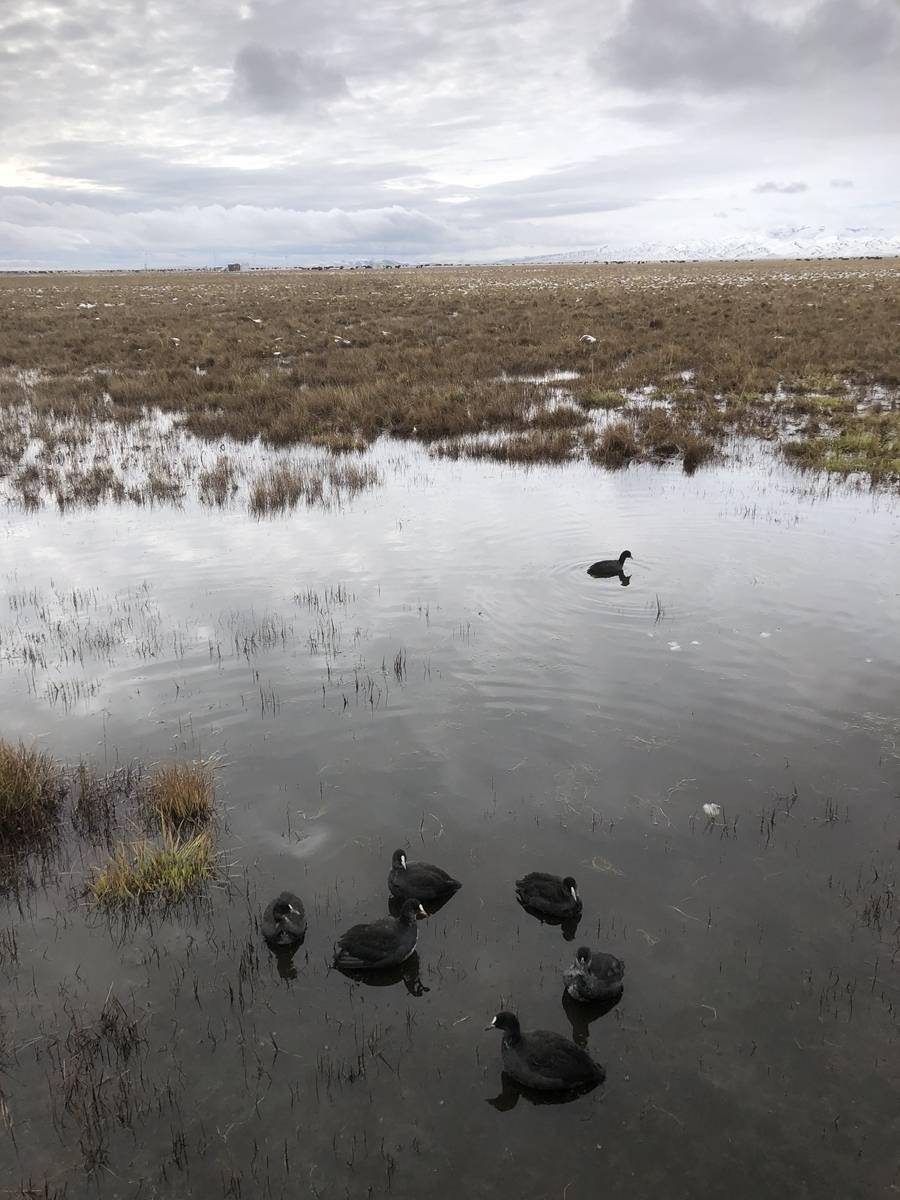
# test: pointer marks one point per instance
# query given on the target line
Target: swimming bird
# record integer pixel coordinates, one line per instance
(543, 1060)
(284, 921)
(419, 881)
(594, 976)
(548, 895)
(606, 568)
(384, 943)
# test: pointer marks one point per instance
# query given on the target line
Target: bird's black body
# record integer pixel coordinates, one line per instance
(284, 922)
(419, 881)
(606, 568)
(594, 976)
(384, 943)
(549, 895)
(544, 1060)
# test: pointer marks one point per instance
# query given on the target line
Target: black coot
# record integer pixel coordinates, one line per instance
(419, 881)
(384, 943)
(284, 922)
(549, 895)
(606, 568)
(594, 976)
(543, 1060)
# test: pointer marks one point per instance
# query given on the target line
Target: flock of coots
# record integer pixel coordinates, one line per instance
(540, 1060)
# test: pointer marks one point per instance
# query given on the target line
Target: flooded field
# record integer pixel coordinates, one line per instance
(712, 750)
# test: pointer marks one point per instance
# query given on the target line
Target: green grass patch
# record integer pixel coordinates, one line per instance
(145, 870)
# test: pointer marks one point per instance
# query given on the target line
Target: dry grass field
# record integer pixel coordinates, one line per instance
(657, 361)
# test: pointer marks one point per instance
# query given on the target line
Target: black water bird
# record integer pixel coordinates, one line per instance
(419, 881)
(606, 568)
(284, 922)
(543, 1060)
(549, 896)
(384, 943)
(594, 976)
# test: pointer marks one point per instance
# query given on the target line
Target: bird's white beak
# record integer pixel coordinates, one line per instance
(574, 895)
(422, 912)
(403, 861)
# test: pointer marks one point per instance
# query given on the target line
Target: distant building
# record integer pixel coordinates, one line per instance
(234, 266)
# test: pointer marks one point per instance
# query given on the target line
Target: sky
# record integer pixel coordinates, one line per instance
(290, 132)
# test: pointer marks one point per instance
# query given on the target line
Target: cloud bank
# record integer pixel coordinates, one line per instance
(282, 131)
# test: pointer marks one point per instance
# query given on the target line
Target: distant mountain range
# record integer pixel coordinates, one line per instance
(802, 241)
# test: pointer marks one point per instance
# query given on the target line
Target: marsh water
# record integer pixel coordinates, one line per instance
(430, 666)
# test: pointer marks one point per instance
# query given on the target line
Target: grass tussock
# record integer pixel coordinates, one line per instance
(31, 791)
(167, 870)
(183, 792)
(218, 484)
(616, 446)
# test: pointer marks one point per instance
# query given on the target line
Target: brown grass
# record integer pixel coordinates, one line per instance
(283, 486)
(31, 791)
(616, 446)
(182, 792)
(339, 358)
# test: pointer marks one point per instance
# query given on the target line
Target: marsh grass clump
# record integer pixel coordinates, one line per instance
(695, 452)
(218, 484)
(165, 870)
(283, 486)
(530, 448)
(182, 792)
(607, 399)
(616, 446)
(32, 788)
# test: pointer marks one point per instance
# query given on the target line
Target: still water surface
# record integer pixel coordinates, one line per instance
(432, 667)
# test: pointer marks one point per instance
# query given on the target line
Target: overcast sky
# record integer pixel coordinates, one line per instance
(183, 132)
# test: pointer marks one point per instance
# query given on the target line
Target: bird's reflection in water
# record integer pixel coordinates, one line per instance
(511, 1091)
(581, 1016)
(568, 925)
(406, 973)
(395, 906)
(284, 960)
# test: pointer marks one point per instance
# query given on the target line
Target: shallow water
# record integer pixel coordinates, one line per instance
(432, 667)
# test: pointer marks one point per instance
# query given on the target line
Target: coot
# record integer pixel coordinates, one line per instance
(607, 567)
(284, 921)
(544, 1060)
(384, 943)
(548, 895)
(594, 976)
(419, 881)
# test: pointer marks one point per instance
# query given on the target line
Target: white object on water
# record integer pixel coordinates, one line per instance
(712, 811)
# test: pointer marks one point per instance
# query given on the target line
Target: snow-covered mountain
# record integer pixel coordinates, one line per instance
(802, 241)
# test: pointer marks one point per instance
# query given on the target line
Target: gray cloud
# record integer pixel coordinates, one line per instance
(282, 81)
(784, 189)
(730, 45)
(841, 183)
